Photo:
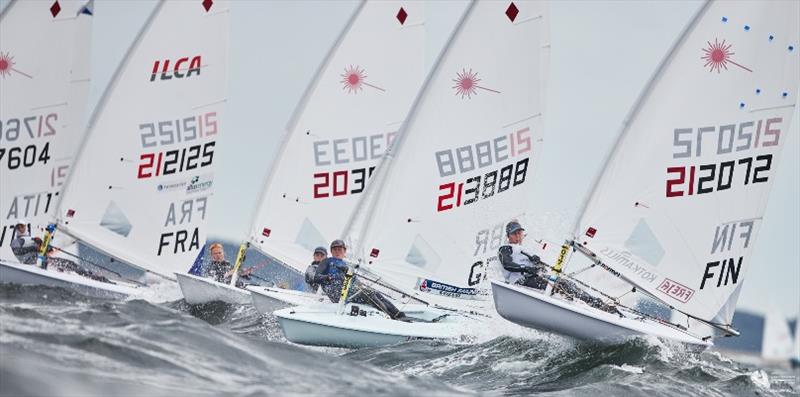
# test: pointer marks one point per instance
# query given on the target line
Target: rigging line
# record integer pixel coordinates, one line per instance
(727, 328)
(632, 310)
(577, 272)
(99, 266)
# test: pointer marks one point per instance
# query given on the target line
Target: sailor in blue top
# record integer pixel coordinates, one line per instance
(331, 274)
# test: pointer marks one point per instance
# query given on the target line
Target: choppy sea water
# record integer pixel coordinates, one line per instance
(55, 342)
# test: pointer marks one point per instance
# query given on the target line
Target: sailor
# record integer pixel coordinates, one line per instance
(320, 253)
(221, 270)
(520, 267)
(331, 274)
(25, 247)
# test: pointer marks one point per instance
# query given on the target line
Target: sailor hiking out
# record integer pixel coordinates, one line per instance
(331, 274)
(26, 249)
(522, 268)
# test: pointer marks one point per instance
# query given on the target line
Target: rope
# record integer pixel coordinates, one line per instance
(613, 299)
(98, 265)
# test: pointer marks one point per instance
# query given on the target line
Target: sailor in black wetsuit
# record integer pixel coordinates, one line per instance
(520, 267)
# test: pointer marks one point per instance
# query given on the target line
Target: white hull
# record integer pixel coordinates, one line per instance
(197, 290)
(319, 325)
(15, 273)
(268, 299)
(534, 309)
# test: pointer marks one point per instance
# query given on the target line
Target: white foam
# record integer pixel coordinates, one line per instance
(629, 368)
(760, 378)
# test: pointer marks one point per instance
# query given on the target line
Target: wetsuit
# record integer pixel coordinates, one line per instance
(331, 273)
(217, 270)
(521, 268)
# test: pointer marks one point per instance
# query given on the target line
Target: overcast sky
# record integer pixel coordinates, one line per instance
(602, 54)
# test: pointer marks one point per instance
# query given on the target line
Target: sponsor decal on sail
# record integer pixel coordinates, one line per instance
(676, 290)
(624, 258)
(200, 183)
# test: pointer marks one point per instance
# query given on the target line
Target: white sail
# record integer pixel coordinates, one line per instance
(44, 82)
(141, 186)
(679, 203)
(340, 130)
(461, 167)
(776, 344)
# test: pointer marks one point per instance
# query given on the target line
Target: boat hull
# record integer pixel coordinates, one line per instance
(198, 290)
(320, 325)
(268, 299)
(15, 273)
(534, 309)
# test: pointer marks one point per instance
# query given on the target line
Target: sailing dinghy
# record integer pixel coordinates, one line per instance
(344, 123)
(432, 218)
(676, 209)
(140, 188)
(44, 85)
(776, 342)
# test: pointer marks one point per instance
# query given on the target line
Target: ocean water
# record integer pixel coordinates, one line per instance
(55, 342)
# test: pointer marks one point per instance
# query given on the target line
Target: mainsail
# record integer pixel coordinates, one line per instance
(678, 205)
(434, 215)
(341, 129)
(141, 186)
(44, 84)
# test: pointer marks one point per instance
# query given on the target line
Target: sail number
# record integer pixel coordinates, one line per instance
(456, 194)
(27, 156)
(177, 160)
(483, 154)
(338, 183)
(33, 126)
(707, 178)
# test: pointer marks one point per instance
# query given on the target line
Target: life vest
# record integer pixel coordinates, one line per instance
(519, 258)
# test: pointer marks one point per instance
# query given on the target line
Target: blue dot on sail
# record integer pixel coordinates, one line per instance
(746, 28)
(758, 91)
(771, 37)
(791, 48)
(741, 105)
(784, 94)
(724, 19)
